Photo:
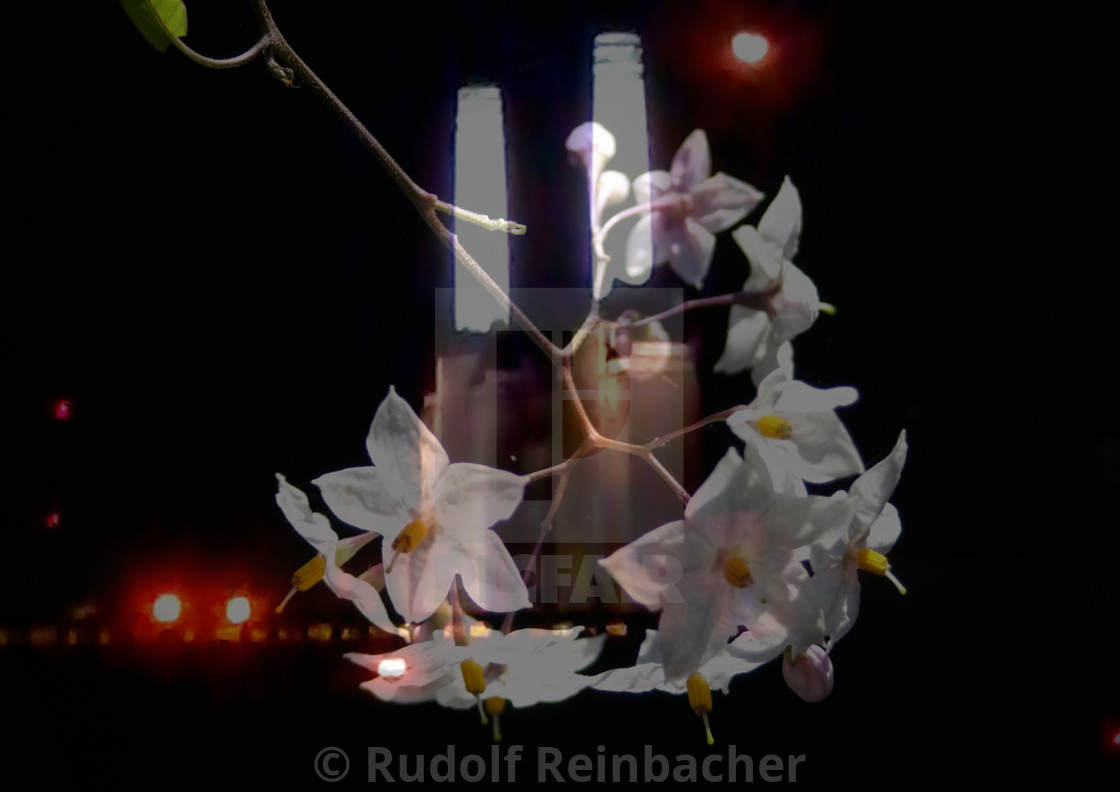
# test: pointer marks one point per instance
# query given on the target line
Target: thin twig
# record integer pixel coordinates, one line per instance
(487, 222)
(221, 63)
(657, 442)
(758, 300)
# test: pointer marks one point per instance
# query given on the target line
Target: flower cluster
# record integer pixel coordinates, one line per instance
(766, 569)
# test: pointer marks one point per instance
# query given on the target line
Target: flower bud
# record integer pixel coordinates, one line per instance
(592, 145)
(810, 675)
(614, 188)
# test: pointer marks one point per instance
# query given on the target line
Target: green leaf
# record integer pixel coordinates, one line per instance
(158, 20)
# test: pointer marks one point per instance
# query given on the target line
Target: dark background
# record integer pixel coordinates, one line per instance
(223, 283)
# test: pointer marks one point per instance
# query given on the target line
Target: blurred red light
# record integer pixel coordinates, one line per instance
(166, 608)
(54, 520)
(62, 409)
(238, 609)
(750, 47)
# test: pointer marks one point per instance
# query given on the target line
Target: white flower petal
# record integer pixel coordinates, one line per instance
(470, 498)
(403, 448)
(365, 498)
(839, 589)
(793, 522)
(719, 493)
(885, 530)
(313, 527)
(639, 251)
(797, 304)
(795, 396)
(362, 594)
(692, 163)
(347, 548)
(690, 249)
(874, 488)
(747, 330)
(648, 187)
(722, 201)
(638, 678)
(780, 226)
(693, 632)
(821, 450)
(719, 671)
(762, 642)
(765, 259)
(651, 568)
(419, 580)
(760, 454)
(490, 576)
(772, 357)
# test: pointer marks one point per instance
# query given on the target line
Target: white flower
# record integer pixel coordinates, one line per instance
(687, 207)
(440, 515)
(315, 528)
(872, 532)
(648, 673)
(735, 550)
(525, 667)
(755, 338)
(794, 428)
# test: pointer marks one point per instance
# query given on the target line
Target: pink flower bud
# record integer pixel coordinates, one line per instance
(810, 675)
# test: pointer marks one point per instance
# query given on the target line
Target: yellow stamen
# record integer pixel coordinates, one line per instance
(472, 677)
(871, 561)
(305, 577)
(700, 699)
(411, 537)
(774, 427)
(310, 573)
(495, 706)
(475, 682)
(407, 541)
(826, 308)
(736, 573)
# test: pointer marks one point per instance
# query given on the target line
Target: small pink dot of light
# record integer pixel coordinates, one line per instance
(62, 409)
(238, 610)
(750, 47)
(54, 520)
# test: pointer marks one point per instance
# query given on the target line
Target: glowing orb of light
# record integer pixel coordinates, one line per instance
(390, 667)
(238, 609)
(166, 608)
(750, 47)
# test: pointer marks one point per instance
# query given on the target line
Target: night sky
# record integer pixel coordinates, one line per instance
(223, 284)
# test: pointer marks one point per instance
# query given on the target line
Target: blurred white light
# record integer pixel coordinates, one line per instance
(166, 608)
(750, 47)
(238, 610)
(392, 666)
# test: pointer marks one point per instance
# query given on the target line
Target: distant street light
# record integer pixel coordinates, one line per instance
(750, 47)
